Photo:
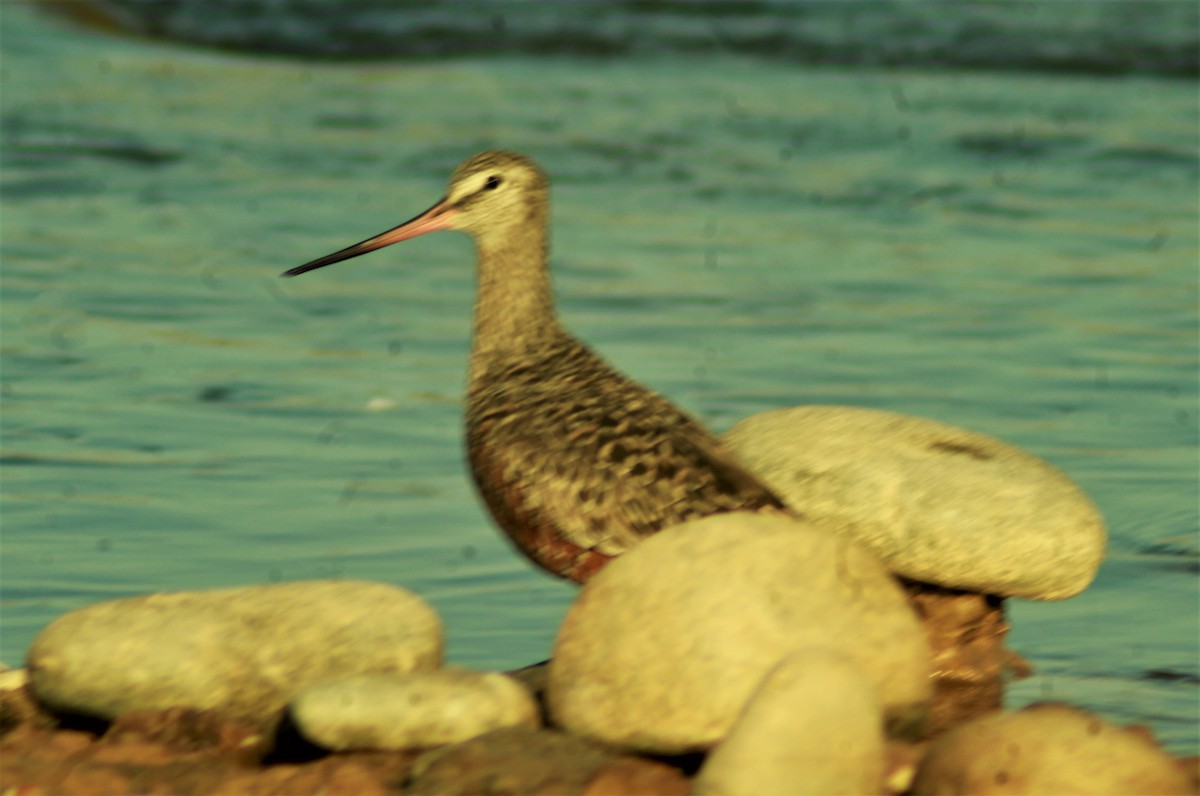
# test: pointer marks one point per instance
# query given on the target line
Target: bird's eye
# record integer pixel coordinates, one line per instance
(492, 183)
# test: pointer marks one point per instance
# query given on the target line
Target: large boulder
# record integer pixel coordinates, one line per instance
(663, 647)
(937, 503)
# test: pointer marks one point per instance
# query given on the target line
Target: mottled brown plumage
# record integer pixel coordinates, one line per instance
(575, 461)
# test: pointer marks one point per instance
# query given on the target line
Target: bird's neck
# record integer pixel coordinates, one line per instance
(514, 306)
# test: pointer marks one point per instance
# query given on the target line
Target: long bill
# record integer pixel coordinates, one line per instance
(438, 217)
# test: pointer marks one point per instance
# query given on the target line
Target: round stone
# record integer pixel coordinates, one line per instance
(814, 726)
(244, 651)
(937, 503)
(1047, 748)
(664, 646)
(415, 711)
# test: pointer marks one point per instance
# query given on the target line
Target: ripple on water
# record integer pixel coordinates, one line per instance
(741, 233)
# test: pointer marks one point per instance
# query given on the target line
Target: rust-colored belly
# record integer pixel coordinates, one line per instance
(533, 531)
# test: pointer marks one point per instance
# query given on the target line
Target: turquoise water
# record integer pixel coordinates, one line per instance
(1015, 253)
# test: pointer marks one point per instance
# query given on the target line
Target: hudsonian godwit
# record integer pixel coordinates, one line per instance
(575, 461)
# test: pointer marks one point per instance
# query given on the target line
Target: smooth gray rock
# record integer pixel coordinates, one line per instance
(937, 503)
(243, 651)
(1047, 748)
(663, 647)
(814, 727)
(414, 711)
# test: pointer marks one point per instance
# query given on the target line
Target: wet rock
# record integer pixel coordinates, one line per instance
(69, 763)
(664, 646)
(18, 707)
(185, 732)
(1047, 749)
(966, 633)
(511, 762)
(937, 503)
(638, 777)
(31, 742)
(418, 710)
(813, 726)
(339, 775)
(182, 753)
(177, 751)
(244, 651)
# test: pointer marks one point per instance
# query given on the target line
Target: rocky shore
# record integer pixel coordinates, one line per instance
(859, 650)
(818, 721)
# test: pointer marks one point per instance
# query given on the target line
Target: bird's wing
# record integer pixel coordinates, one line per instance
(603, 460)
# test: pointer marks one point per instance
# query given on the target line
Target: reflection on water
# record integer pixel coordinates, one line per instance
(1009, 252)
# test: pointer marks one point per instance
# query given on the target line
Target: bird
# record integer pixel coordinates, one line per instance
(575, 461)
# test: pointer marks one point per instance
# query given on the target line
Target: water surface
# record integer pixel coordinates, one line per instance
(1013, 251)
